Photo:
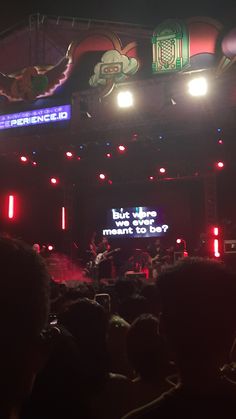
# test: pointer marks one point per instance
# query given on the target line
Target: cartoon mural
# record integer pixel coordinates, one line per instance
(178, 46)
(170, 47)
(113, 68)
(185, 45)
(228, 46)
(117, 64)
(33, 82)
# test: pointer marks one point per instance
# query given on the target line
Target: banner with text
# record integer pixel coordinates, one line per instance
(134, 222)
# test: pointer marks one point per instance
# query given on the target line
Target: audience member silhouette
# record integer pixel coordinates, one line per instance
(76, 381)
(148, 356)
(198, 299)
(23, 316)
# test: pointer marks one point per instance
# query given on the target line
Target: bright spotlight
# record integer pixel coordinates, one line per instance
(102, 176)
(220, 164)
(69, 154)
(162, 170)
(53, 181)
(178, 241)
(125, 99)
(198, 86)
(121, 148)
(23, 159)
(50, 247)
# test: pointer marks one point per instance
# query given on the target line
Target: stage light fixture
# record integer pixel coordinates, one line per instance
(121, 148)
(108, 155)
(216, 231)
(178, 241)
(69, 155)
(23, 159)
(54, 181)
(34, 163)
(198, 86)
(63, 218)
(50, 247)
(125, 99)
(151, 178)
(102, 176)
(11, 202)
(220, 141)
(220, 164)
(162, 170)
(216, 248)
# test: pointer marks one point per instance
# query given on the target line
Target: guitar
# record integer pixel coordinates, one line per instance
(158, 260)
(103, 256)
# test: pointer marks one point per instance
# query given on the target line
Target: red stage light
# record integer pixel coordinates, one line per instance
(110, 182)
(220, 141)
(178, 241)
(34, 163)
(63, 218)
(216, 231)
(78, 158)
(102, 176)
(108, 155)
(11, 200)
(24, 159)
(53, 181)
(151, 178)
(50, 247)
(162, 170)
(121, 148)
(69, 154)
(220, 164)
(216, 248)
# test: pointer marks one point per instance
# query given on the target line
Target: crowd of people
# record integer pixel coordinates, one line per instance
(127, 349)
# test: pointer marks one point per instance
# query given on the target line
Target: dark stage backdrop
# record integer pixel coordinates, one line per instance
(181, 204)
(38, 215)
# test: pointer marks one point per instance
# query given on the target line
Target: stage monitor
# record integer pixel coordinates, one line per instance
(135, 222)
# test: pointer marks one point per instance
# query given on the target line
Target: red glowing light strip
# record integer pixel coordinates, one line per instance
(216, 248)
(216, 231)
(63, 218)
(11, 206)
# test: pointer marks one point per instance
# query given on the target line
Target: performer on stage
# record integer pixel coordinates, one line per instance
(104, 264)
(91, 270)
(157, 255)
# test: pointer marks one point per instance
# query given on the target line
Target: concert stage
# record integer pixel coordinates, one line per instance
(72, 162)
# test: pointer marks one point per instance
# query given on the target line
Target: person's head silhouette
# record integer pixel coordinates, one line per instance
(23, 316)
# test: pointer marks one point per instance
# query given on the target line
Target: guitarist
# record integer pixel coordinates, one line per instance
(156, 258)
(105, 267)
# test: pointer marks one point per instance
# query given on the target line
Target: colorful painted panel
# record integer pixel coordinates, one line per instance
(170, 47)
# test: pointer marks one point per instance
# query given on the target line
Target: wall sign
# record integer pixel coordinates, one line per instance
(35, 117)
